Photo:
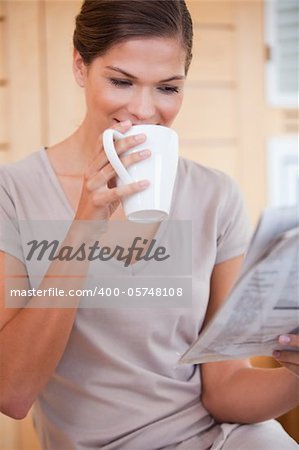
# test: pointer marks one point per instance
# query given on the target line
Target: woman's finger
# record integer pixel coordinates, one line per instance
(135, 157)
(105, 198)
(289, 339)
(284, 356)
(121, 146)
(104, 175)
(292, 367)
(100, 160)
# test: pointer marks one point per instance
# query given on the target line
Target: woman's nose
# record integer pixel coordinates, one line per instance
(142, 105)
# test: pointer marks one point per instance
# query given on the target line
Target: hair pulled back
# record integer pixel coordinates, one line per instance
(103, 23)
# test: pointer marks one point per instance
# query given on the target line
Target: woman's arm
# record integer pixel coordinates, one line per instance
(32, 340)
(247, 395)
(233, 391)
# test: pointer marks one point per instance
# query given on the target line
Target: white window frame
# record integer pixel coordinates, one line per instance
(275, 97)
(283, 171)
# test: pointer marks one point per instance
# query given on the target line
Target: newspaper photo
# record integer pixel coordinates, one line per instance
(264, 302)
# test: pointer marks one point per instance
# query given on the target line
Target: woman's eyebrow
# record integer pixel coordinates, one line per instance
(129, 75)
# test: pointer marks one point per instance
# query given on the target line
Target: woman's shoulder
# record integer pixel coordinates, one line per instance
(197, 176)
(23, 172)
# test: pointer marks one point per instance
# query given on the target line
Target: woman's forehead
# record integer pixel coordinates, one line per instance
(136, 55)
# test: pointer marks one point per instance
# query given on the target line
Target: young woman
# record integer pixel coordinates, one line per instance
(108, 378)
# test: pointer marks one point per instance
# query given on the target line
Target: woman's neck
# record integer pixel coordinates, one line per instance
(73, 155)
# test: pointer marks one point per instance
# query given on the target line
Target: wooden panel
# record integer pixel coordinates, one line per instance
(1, 8)
(3, 73)
(27, 435)
(207, 114)
(3, 85)
(8, 432)
(281, 121)
(3, 115)
(213, 56)
(65, 99)
(4, 156)
(23, 67)
(223, 158)
(211, 12)
(251, 103)
(18, 434)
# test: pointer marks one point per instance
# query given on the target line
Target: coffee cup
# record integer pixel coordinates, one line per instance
(152, 204)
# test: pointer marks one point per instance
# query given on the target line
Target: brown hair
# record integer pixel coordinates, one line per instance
(103, 23)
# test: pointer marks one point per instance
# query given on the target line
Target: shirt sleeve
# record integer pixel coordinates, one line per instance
(234, 227)
(10, 240)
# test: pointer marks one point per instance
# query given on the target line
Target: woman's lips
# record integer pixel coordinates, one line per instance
(134, 123)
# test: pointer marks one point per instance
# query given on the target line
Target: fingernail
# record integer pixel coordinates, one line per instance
(144, 153)
(276, 353)
(125, 123)
(139, 137)
(143, 183)
(284, 339)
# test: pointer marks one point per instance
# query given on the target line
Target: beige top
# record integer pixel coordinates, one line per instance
(118, 385)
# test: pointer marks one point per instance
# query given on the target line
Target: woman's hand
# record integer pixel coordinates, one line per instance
(287, 358)
(100, 197)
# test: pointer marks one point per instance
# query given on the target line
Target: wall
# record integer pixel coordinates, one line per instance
(224, 123)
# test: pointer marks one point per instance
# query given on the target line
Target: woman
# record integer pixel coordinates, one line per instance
(108, 378)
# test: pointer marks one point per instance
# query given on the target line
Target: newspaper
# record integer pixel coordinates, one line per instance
(264, 302)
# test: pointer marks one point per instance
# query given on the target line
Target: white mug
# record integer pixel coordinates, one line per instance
(152, 204)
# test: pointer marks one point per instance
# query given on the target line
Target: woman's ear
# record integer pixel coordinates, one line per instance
(79, 68)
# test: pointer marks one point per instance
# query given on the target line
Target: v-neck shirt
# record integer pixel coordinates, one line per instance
(118, 384)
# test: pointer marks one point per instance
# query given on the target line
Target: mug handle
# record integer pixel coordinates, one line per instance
(113, 158)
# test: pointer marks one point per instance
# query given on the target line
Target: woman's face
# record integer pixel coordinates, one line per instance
(140, 79)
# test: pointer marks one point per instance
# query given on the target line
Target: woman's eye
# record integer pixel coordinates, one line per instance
(169, 89)
(120, 83)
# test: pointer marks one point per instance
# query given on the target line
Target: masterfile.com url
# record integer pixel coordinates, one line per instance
(175, 291)
(53, 292)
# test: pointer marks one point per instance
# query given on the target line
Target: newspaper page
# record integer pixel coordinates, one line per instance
(264, 302)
